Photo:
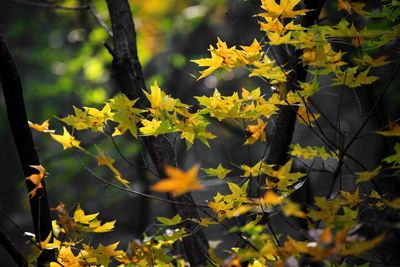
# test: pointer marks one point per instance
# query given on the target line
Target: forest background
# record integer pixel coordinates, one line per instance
(63, 63)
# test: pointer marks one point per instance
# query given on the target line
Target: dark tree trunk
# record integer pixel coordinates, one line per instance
(14, 99)
(127, 72)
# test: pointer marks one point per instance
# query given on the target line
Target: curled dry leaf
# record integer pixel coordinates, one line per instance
(36, 179)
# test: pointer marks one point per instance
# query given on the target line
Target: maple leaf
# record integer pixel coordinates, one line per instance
(394, 158)
(104, 160)
(67, 140)
(350, 199)
(66, 257)
(271, 198)
(178, 182)
(352, 79)
(251, 53)
(267, 70)
(285, 178)
(259, 168)
(311, 152)
(126, 115)
(277, 39)
(257, 132)
(36, 179)
(348, 5)
(90, 223)
(219, 172)
(44, 127)
(213, 63)
(368, 61)
(293, 209)
(222, 56)
(177, 219)
(394, 130)
(101, 255)
(155, 127)
(367, 175)
(360, 246)
(305, 117)
(327, 210)
(282, 10)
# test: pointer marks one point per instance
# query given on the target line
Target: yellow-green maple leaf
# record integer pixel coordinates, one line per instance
(367, 175)
(177, 219)
(394, 130)
(219, 172)
(351, 78)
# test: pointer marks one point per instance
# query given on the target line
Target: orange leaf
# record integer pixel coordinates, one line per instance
(178, 182)
(36, 179)
(44, 127)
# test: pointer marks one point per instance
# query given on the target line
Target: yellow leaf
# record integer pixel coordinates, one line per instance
(395, 203)
(306, 117)
(348, 5)
(395, 159)
(66, 257)
(220, 171)
(351, 78)
(178, 182)
(101, 255)
(361, 246)
(36, 179)
(367, 175)
(257, 132)
(271, 198)
(168, 222)
(126, 115)
(213, 63)
(206, 221)
(81, 217)
(293, 209)
(44, 127)
(104, 160)
(90, 223)
(311, 152)
(277, 39)
(67, 140)
(150, 127)
(394, 130)
(282, 10)
(97, 226)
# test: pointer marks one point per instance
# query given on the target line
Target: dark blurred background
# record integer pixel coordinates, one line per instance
(63, 63)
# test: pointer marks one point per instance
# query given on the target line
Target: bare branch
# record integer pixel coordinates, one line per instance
(48, 5)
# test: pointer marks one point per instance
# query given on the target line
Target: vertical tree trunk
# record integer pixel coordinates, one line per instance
(14, 99)
(128, 74)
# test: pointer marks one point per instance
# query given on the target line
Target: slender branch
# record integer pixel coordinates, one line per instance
(48, 5)
(127, 71)
(14, 100)
(131, 191)
(97, 17)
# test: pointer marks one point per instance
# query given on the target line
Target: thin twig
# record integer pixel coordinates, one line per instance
(129, 190)
(48, 5)
(97, 17)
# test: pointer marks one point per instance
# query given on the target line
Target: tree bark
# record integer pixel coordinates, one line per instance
(16, 112)
(286, 119)
(127, 71)
(18, 258)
